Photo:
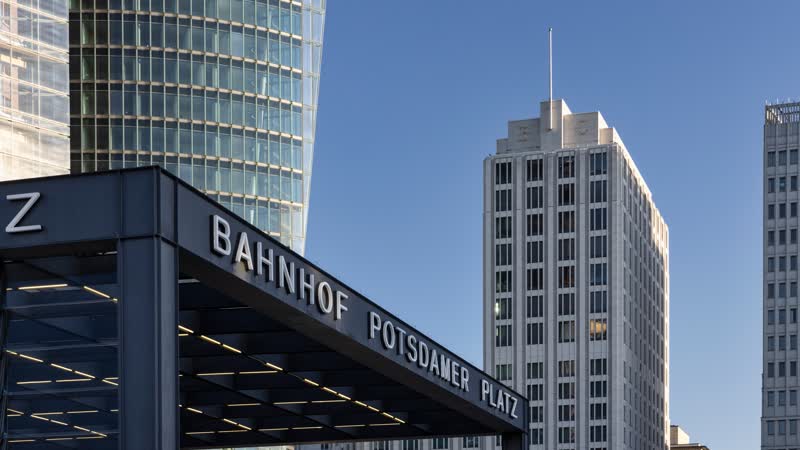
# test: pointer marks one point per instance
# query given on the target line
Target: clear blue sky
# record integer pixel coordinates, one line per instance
(415, 93)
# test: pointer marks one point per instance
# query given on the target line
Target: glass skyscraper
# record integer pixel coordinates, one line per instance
(222, 93)
(34, 115)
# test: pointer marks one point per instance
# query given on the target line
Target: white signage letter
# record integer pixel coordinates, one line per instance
(262, 261)
(307, 286)
(424, 355)
(388, 335)
(340, 308)
(220, 236)
(374, 324)
(243, 251)
(286, 278)
(32, 198)
(485, 389)
(325, 297)
(411, 342)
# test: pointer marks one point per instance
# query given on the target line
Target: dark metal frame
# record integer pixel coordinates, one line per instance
(161, 230)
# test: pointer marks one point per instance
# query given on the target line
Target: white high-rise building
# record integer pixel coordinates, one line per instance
(780, 382)
(576, 284)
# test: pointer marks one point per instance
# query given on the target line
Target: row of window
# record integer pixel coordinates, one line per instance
(566, 166)
(195, 104)
(534, 197)
(189, 139)
(566, 304)
(503, 336)
(566, 368)
(536, 414)
(535, 222)
(566, 435)
(263, 13)
(444, 443)
(779, 316)
(503, 372)
(781, 237)
(535, 225)
(598, 366)
(598, 304)
(566, 391)
(598, 411)
(535, 306)
(534, 280)
(598, 165)
(186, 69)
(779, 157)
(779, 211)
(566, 194)
(534, 370)
(156, 32)
(778, 264)
(535, 170)
(535, 392)
(502, 173)
(566, 413)
(534, 252)
(536, 435)
(598, 331)
(30, 66)
(780, 292)
(779, 427)
(598, 274)
(778, 369)
(502, 200)
(32, 26)
(503, 308)
(211, 175)
(778, 184)
(566, 249)
(18, 97)
(566, 222)
(502, 227)
(778, 343)
(779, 398)
(598, 191)
(502, 255)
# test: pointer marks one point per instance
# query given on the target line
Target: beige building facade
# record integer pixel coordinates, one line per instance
(576, 284)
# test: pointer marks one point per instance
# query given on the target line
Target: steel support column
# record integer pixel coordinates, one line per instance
(3, 360)
(515, 441)
(148, 278)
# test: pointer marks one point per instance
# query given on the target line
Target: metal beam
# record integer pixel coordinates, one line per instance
(148, 275)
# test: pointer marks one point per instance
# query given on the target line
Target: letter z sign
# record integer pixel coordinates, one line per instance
(14, 226)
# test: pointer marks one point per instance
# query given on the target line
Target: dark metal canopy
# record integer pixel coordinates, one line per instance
(137, 313)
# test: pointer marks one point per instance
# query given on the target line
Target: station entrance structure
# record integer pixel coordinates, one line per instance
(136, 313)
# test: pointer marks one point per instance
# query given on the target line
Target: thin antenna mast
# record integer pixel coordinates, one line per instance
(550, 104)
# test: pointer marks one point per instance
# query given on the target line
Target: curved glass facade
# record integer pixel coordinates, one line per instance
(222, 93)
(34, 115)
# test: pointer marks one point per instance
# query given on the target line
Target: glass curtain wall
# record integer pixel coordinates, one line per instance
(34, 114)
(222, 93)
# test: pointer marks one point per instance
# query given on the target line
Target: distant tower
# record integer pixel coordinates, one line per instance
(780, 381)
(576, 284)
